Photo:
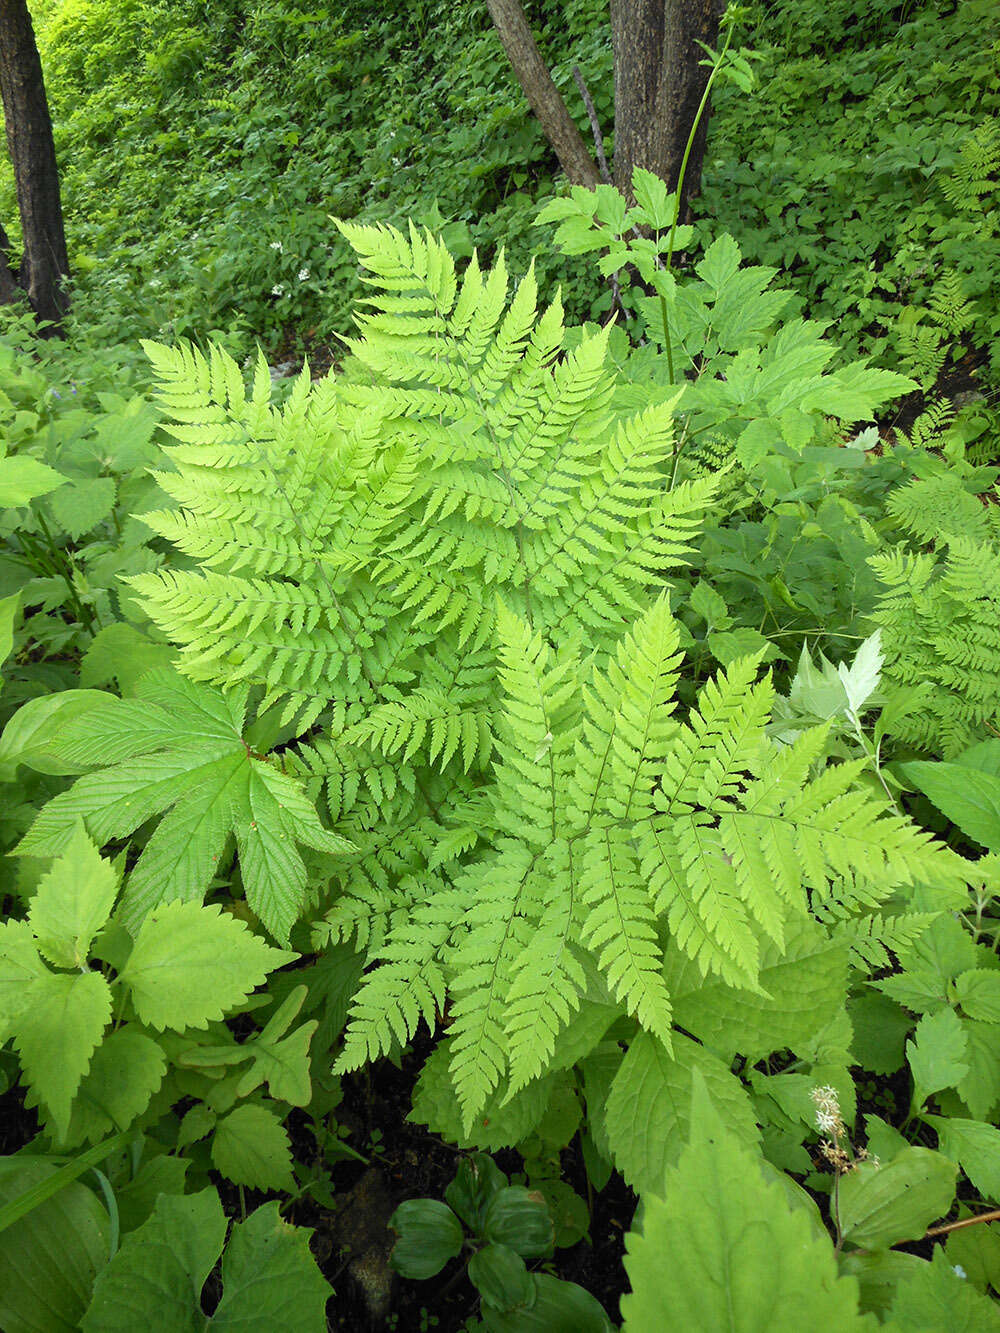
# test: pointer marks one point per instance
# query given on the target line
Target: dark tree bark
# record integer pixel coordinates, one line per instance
(658, 87)
(543, 96)
(43, 264)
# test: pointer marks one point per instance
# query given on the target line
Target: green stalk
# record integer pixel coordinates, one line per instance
(45, 1189)
(668, 347)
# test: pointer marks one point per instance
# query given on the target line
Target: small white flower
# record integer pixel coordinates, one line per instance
(827, 1122)
(276, 245)
(277, 290)
(958, 1270)
(303, 275)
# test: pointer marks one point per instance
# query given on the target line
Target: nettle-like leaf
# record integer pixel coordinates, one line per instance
(251, 1148)
(270, 1280)
(721, 1245)
(191, 963)
(176, 749)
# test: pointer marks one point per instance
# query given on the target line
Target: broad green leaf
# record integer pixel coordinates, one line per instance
(127, 1069)
(647, 1116)
(192, 963)
(861, 678)
(83, 503)
(936, 1299)
(975, 1147)
(50, 1257)
(553, 1306)
(500, 1276)
(978, 992)
(137, 1199)
(72, 902)
(250, 1147)
(20, 965)
(31, 732)
(23, 479)
(804, 985)
(435, 1105)
(518, 1217)
(936, 1054)
(155, 1279)
(120, 652)
(56, 1035)
(969, 798)
(10, 608)
(429, 1234)
(980, 1087)
(879, 1206)
(270, 1281)
(721, 1248)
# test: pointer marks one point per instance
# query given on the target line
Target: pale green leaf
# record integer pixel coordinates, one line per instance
(20, 965)
(975, 1147)
(56, 1035)
(72, 902)
(83, 503)
(936, 1299)
(879, 1206)
(721, 1248)
(936, 1053)
(127, 1069)
(250, 1147)
(978, 992)
(23, 479)
(969, 798)
(191, 963)
(647, 1116)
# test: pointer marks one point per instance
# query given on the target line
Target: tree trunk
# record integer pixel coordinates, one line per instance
(543, 96)
(658, 87)
(44, 264)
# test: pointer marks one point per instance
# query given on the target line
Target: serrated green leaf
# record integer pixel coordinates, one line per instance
(72, 902)
(176, 749)
(720, 1247)
(126, 1070)
(975, 1147)
(20, 965)
(647, 1115)
(56, 1035)
(10, 609)
(879, 1206)
(936, 1054)
(969, 798)
(23, 479)
(978, 992)
(805, 986)
(50, 1256)
(191, 963)
(155, 1279)
(270, 1282)
(250, 1147)
(83, 503)
(935, 1299)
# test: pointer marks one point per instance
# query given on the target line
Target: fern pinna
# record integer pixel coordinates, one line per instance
(445, 569)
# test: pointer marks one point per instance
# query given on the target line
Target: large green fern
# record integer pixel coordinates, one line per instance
(446, 568)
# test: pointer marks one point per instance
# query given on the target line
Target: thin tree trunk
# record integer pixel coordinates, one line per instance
(543, 96)
(44, 264)
(658, 86)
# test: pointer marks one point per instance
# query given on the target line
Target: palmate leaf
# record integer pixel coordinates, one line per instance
(177, 748)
